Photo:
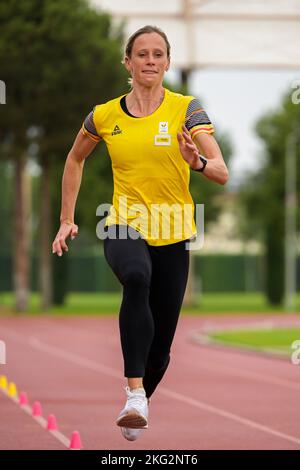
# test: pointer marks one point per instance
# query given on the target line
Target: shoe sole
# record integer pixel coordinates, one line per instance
(131, 438)
(132, 420)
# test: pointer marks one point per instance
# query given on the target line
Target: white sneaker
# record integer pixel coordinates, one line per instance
(135, 413)
(132, 434)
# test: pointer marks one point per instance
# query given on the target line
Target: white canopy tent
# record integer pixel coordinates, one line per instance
(218, 33)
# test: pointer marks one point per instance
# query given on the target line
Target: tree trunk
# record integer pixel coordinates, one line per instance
(21, 255)
(190, 297)
(274, 258)
(45, 237)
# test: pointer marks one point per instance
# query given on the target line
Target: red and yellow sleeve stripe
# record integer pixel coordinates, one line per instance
(202, 129)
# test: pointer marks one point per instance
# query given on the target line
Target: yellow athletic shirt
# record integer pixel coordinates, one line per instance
(151, 178)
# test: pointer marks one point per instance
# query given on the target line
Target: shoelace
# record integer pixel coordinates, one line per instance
(135, 399)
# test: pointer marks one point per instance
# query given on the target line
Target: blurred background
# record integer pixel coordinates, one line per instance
(58, 58)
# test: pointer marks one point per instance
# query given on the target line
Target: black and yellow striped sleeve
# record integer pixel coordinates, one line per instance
(89, 128)
(196, 119)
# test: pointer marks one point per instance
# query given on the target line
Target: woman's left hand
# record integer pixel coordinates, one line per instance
(188, 149)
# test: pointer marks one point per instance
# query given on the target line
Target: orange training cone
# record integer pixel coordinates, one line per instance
(23, 400)
(75, 443)
(36, 409)
(51, 425)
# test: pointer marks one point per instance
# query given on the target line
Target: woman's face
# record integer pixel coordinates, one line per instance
(149, 61)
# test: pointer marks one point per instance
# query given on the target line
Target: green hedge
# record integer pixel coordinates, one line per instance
(231, 273)
(213, 273)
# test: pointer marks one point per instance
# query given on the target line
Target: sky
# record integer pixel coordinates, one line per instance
(234, 100)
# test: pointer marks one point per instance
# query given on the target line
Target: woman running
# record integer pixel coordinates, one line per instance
(154, 137)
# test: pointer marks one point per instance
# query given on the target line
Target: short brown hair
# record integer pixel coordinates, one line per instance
(146, 29)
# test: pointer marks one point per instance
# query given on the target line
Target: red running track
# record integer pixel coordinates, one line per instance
(210, 398)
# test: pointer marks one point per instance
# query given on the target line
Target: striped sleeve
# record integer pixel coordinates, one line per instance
(196, 119)
(89, 128)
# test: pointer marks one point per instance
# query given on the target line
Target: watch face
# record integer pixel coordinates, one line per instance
(204, 161)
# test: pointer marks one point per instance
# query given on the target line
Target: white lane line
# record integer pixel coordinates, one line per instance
(95, 366)
(213, 327)
(247, 374)
(226, 414)
(40, 420)
(78, 360)
(37, 344)
(268, 379)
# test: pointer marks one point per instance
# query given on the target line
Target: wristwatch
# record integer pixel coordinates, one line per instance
(204, 161)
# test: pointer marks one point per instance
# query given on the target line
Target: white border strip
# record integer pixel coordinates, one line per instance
(40, 420)
(95, 366)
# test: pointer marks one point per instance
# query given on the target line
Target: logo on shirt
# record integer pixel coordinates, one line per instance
(163, 127)
(163, 138)
(116, 130)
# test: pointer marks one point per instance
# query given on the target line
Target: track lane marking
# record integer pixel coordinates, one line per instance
(96, 366)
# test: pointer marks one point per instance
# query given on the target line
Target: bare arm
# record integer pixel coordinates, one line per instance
(71, 181)
(72, 175)
(216, 169)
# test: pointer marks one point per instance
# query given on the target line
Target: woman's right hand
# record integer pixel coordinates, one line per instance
(82, 147)
(66, 230)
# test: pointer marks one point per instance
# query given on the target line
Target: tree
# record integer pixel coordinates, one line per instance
(262, 198)
(63, 59)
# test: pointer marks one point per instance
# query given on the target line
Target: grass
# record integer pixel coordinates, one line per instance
(108, 303)
(277, 341)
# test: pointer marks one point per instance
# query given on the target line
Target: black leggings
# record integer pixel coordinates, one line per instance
(154, 280)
